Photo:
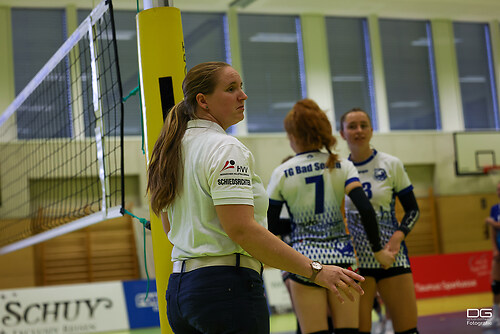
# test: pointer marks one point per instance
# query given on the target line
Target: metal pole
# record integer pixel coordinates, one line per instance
(157, 3)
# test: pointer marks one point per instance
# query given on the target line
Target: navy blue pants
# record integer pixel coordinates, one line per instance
(217, 300)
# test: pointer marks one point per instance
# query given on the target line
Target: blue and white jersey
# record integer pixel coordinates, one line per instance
(383, 177)
(313, 195)
(495, 215)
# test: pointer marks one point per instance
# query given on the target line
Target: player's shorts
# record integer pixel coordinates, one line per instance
(380, 274)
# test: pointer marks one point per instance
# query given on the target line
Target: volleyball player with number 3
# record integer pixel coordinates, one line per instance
(383, 178)
(312, 185)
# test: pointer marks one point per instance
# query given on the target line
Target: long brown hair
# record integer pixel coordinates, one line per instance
(165, 168)
(311, 128)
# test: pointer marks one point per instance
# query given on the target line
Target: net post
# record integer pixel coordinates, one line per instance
(161, 57)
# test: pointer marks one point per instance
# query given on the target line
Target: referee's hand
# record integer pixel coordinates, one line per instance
(339, 279)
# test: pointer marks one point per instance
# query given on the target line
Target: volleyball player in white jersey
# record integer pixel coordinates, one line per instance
(493, 220)
(312, 185)
(383, 178)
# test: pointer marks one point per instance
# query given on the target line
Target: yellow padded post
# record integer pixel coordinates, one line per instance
(161, 60)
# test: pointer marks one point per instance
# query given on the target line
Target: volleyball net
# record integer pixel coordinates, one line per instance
(61, 140)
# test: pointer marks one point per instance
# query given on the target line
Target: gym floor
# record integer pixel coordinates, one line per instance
(436, 316)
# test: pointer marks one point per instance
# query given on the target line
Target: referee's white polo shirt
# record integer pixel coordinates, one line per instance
(218, 169)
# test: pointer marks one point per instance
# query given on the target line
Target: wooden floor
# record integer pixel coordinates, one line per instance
(436, 316)
(432, 306)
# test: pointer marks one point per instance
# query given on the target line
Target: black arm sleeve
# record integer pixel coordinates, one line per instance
(412, 213)
(277, 225)
(368, 217)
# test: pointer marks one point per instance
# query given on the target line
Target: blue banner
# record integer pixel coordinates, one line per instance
(142, 312)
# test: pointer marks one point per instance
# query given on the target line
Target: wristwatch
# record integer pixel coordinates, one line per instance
(316, 267)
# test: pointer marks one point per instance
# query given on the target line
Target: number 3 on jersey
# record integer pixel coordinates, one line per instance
(319, 205)
(367, 187)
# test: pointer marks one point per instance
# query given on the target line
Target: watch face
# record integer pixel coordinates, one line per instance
(316, 265)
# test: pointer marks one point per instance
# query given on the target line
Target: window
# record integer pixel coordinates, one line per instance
(273, 72)
(409, 75)
(350, 66)
(204, 41)
(204, 38)
(36, 35)
(126, 40)
(476, 75)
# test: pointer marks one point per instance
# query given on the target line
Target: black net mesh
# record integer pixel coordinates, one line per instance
(61, 151)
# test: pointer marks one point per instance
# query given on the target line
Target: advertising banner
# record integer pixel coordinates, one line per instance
(76, 308)
(142, 312)
(277, 295)
(451, 274)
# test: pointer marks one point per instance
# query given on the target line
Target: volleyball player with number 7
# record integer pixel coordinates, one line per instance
(312, 185)
(383, 178)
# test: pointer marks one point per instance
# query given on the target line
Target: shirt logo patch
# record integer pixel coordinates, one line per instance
(235, 182)
(380, 174)
(229, 164)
